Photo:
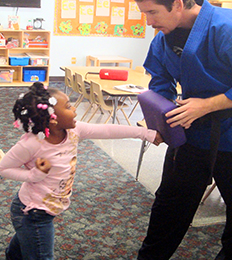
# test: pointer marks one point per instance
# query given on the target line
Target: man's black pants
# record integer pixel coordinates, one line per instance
(185, 177)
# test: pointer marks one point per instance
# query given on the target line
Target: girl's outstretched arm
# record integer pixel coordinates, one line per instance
(111, 131)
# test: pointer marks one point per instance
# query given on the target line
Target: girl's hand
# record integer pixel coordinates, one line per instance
(43, 165)
(158, 139)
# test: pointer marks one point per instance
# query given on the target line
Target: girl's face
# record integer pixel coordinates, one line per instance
(64, 111)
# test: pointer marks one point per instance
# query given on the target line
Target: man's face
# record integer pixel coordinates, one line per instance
(159, 17)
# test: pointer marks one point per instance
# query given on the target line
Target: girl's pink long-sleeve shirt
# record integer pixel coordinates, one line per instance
(51, 192)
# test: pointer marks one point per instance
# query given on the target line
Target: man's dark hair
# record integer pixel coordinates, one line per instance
(168, 3)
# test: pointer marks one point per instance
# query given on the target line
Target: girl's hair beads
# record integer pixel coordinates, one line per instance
(34, 109)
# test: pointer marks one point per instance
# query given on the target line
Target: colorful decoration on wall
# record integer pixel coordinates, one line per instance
(137, 29)
(84, 29)
(106, 18)
(65, 26)
(119, 30)
(101, 28)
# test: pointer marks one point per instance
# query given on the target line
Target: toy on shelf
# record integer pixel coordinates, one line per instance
(38, 42)
(29, 25)
(6, 76)
(12, 43)
(3, 60)
(2, 40)
(26, 40)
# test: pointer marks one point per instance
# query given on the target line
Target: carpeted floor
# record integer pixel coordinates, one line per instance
(109, 213)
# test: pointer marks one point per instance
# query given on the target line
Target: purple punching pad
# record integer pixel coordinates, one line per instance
(154, 107)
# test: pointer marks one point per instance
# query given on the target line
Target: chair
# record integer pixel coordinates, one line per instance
(208, 192)
(142, 70)
(104, 104)
(68, 81)
(145, 145)
(83, 88)
(79, 87)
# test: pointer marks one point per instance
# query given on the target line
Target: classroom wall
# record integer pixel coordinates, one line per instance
(63, 48)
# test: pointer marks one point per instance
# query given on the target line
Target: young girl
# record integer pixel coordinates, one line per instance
(48, 152)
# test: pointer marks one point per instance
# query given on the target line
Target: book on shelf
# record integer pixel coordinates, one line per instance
(13, 22)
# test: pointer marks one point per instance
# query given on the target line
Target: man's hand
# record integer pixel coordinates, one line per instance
(190, 109)
(43, 165)
(158, 139)
(193, 108)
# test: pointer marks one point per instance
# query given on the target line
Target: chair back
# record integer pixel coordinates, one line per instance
(97, 95)
(77, 82)
(68, 80)
(140, 69)
(81, 86)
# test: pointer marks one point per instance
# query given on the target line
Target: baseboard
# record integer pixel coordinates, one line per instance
(56, 78)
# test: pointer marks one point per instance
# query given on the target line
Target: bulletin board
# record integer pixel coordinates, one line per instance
(104, 18)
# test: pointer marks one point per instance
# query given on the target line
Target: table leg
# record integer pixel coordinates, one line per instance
(115, 104)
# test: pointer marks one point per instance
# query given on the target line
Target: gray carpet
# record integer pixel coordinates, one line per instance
(109, 213)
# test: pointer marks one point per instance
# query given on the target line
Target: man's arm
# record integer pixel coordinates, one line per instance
(193, 108)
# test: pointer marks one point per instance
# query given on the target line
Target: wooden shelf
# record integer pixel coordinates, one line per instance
(18, 70)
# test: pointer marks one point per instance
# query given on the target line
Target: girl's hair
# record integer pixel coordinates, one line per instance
(28, 108)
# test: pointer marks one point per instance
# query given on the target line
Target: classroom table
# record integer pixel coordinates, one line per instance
(134, 78)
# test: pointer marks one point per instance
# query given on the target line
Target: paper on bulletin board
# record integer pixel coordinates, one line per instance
(106, 18)
(103, 8)
(69, 12)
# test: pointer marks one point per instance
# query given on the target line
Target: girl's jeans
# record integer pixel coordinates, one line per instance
(34, 238)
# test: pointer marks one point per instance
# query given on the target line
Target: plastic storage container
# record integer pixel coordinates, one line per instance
(39, 59)
(6, 76)
(19, 60)
(33, 75)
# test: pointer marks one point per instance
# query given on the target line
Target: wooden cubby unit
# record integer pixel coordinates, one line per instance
(18, 70)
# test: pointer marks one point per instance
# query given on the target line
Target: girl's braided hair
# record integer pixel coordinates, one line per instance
(32, 118)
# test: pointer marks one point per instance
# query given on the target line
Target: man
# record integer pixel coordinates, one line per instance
(193, 47)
